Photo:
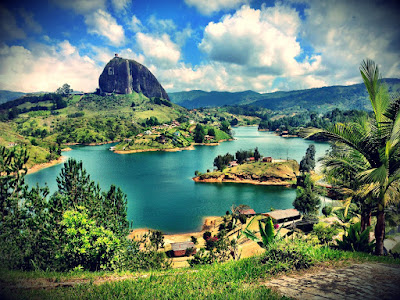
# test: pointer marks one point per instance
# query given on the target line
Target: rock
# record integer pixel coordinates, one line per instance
(124, 76)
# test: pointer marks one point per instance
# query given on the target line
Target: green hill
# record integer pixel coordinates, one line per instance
(318, 99)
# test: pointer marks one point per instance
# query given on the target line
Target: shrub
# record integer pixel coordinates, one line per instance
(206, 235)
(85, 244)
(327, 210)
(324, 232)
(355, 240)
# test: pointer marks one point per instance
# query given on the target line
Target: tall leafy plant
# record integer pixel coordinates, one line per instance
(377, 142)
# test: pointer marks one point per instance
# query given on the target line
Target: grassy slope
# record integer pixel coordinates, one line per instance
(8, 134)
(241, 279)
(283, 170)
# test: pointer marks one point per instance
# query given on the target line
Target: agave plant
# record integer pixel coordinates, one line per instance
(266, 231)
(356, 240)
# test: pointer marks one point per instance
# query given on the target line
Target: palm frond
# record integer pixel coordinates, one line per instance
(371, 77)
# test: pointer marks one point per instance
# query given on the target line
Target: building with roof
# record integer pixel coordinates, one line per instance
(247, 211)
(182, 248)
(283, 215)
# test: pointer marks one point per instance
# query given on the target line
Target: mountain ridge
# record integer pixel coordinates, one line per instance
(320, 99)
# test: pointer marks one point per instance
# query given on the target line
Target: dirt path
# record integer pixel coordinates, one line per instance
(360, 281)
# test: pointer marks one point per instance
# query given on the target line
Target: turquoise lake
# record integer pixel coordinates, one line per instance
(161, 193)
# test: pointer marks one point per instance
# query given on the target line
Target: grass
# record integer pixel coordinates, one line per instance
(241, 279)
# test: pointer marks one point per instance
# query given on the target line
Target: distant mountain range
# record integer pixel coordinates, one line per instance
(9, 95)
(316, 99)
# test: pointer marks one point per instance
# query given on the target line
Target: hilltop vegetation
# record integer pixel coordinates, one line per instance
(318, 99)
(45, 123)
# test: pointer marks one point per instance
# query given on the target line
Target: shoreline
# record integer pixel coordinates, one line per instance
(191, 147)
(208, 223)
(248, 181)
(38, 167)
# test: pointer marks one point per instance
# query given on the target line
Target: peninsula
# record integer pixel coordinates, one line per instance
(264, 172)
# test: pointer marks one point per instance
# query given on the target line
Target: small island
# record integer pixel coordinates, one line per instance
(250, 167)
(172, 137)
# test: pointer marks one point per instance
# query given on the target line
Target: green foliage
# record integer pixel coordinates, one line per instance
(211, 132)
(327, 210)
(267, 232)
(156, 239)
(194, 240)
(355, 240)
(199, 134)
(79, 227)
(307, 201)
(324, 232)
(242, 155)
(221, 161)
(64, 90)
(307, 164)
(84, 244)
(225, 127)
(152, 121)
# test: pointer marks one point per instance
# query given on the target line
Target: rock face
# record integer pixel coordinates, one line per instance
(124, 76)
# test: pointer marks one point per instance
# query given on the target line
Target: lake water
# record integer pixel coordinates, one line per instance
(161, 193)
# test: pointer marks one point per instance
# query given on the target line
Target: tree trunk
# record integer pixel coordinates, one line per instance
(380, 231)
(365, 219)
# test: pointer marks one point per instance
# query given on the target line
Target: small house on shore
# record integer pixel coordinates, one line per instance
(233, 163)
(267, 159)
(283, 215)
(247, 211)
(182, 248)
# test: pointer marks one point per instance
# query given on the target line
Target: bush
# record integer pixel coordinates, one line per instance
(84, 244)
(355, 240)
(324, 232)
(327, 210)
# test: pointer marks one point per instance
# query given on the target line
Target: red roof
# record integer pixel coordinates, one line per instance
(247, 211)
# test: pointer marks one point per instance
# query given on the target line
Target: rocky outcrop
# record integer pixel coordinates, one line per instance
(124, 76)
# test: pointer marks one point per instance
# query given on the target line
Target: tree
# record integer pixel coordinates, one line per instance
(307, 201)
(199, 133)
(64, 90)
(257, 154)
(225, 127)
(308, 162)
(376, 140)
(211, 132)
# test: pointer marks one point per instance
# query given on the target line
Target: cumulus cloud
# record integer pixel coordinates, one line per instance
(103, 24)
(81, 6)
(159, 50)
(8, 26)
(45, 68)
(120, 5)
(262, 41)
(66, 48)
(208, 7)
(345, 32)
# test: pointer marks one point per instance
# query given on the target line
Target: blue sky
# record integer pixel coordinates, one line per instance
(223, 45)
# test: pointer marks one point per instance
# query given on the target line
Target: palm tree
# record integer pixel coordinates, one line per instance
(377, 141)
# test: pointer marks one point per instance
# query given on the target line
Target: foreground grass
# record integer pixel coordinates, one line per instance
(232, 280)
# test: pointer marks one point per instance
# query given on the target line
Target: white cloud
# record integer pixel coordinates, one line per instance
(103, 24)
(120, 5)
(8, 26)
(135, 24)
(159, 50)
(66, 48)
(256, 40)
(208, 7)
(346, 32)
(81, 6)
(30, 21)
(161, 25)
(45, 68)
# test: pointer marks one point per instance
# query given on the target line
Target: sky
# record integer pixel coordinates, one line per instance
(211, 45)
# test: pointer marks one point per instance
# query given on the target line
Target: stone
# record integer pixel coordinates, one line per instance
(125, 76)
